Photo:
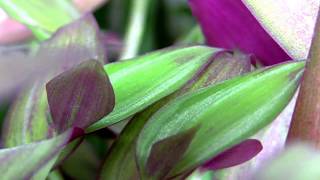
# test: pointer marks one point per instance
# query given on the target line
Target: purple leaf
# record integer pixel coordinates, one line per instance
(80, 96)
(236, 155)
(168, 151)
(229, 24)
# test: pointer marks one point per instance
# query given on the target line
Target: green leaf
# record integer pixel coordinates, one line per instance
(223, 65)
(42, 17)
(227, 113)
(141, 81)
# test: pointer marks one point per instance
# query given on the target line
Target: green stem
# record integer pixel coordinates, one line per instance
(135, 29)
(305, 125)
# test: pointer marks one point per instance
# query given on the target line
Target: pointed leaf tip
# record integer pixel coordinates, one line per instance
(80, 96)
(168, 151)
(236, 155)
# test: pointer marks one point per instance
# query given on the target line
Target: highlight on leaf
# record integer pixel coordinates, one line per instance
(225, 112)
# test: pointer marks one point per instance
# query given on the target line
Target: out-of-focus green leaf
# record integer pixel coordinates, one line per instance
(141, 81)
(222, 66)
(195, 36)
(227, 113)
(42, 17)
(298, 162)
(34, 160)
(197, 175)
(29, 118)
(83, 164)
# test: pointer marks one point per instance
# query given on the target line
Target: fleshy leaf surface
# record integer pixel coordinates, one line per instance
(80, 96)
(222, 65)
(235, 155)
(38, 15)
(141, 81)
(228, 113)
(229, 24)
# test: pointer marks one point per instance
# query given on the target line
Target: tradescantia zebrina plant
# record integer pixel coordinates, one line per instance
(188, 108)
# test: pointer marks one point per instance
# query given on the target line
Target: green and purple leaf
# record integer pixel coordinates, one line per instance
(29, 118)
(222, 65)
(228, 113)
(77, 98)
(143, 80)
(229, 24)
(80, 96)
(34, 160)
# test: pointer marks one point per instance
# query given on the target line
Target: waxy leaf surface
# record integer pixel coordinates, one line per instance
(141, 81)
(222, 65)
(228, 113)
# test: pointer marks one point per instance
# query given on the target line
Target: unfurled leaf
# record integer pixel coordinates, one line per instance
(38, 15)
(32, 160)
(29, 118)
(227, 113)
(80, 96)
(223, 65)
(236, 155)
(141, 81)
(229, 24)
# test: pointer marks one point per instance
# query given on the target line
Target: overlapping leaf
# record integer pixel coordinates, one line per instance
(227, 113)
(87, 96)
(141, 81)
(80, 96)
(29, 118)
(223, 65)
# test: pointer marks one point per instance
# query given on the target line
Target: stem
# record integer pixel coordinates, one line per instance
(135, 29)
(305, 125)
